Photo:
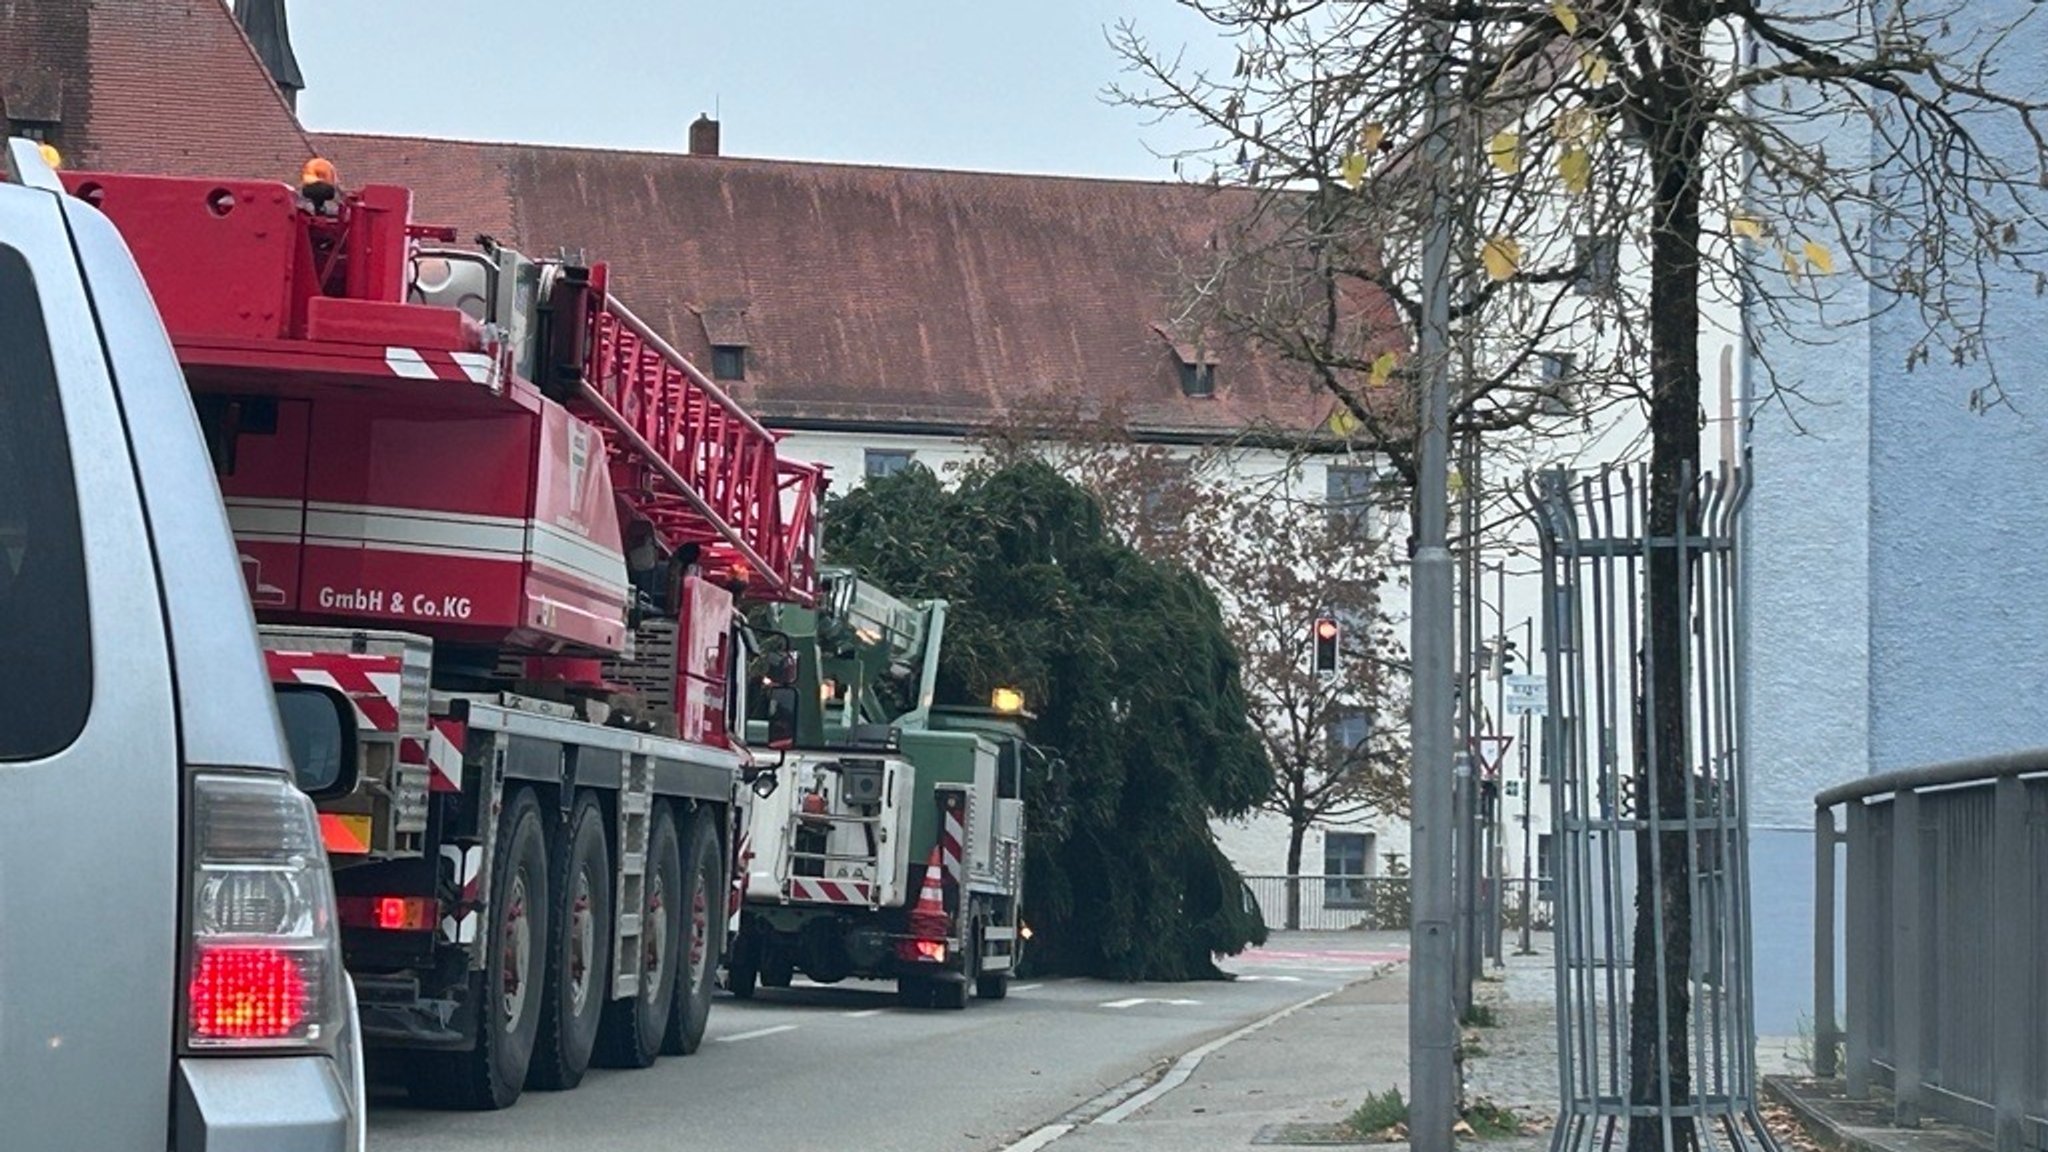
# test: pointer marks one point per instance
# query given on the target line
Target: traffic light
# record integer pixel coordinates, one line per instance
(1324, 637)
(1504, 658)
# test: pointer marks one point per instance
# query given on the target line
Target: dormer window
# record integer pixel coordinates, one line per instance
(725, 329)
(1193, 362)
(728, 362)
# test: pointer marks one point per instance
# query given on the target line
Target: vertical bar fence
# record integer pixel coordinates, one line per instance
(1624, 840)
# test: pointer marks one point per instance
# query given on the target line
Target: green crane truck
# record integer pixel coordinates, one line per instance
(888, 841)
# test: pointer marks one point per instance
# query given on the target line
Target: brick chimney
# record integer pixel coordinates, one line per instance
(704, 136)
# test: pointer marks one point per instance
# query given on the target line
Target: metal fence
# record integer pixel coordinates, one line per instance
(1656, 1032)
(1329, 903)
(1945, 942)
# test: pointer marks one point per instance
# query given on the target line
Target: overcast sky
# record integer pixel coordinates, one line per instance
(1004, 85)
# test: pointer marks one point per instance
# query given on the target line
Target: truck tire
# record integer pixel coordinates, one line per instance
(703, 937)
(634, 1028)
(507, 992)
(742, 969)
(579, 951)
(778, 967)
(950, 995)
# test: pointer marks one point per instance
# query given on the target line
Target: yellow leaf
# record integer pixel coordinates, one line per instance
(1342, 422)
(1594, 65)
(1382, 369)
(1455, 482)
(1370, 136)
(1748, 226)
(1566, 17)
(1575, 168)
(1502, 256)
(1354, 169)
(1505, 150)
(1791, 262)
(1818, 255)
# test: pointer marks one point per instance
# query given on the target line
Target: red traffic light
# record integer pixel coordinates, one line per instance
(1323, 660)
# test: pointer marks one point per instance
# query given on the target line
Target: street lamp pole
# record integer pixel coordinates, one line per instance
(1432, 1014)
(1528, 832)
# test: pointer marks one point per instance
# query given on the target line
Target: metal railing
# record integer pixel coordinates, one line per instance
(1329, 903)
(1945, 943)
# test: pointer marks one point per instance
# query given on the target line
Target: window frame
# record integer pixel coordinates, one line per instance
(728, 362)
(901, 458)
(1345, 889)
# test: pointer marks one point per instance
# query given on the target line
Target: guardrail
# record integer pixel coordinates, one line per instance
(1945, 943)
(1326, 903)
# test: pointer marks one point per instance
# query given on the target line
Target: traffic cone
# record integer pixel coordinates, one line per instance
(928, 920)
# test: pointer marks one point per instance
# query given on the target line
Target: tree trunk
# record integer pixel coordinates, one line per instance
(1297, 831)
(1663, 750)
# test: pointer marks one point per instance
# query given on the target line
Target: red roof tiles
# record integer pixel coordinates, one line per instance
(865, 295)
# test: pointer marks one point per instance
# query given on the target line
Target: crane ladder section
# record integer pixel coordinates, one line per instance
(697, 465)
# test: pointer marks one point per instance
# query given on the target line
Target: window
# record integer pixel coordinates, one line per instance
(1197, 380)
(1598, 259)
(1559, 373)
(44, 625)
(1546, 865)
(728, 362)
(1350, 497)
(886, 462)
(1347, 862)
(1347, 732)
(1168, 493)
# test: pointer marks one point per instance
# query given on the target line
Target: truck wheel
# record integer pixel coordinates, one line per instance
(634, 1028)
(778, 968)
(508, 992)
(916, 992)
(742, 969)
(703, 938)
(579, 951)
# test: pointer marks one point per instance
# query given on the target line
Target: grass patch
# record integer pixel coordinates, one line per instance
(1490, 1121)
(1481, 1016)
(1379, 1113)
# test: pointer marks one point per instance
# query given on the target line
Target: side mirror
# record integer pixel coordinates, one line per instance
(782, 717)
(320, 730)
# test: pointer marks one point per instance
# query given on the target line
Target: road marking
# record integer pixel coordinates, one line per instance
(1270, 979)
(756, 1034)
(863, 1014)
(1040, 1138)
(1186, 1065)
(1026, 987)
(1134, 1001)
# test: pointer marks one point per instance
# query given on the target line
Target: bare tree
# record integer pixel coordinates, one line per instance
(1811, 159)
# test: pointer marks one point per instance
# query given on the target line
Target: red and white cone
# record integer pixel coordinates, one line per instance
(928, 919)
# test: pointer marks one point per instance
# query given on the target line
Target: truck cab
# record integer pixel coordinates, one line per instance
(170, 969)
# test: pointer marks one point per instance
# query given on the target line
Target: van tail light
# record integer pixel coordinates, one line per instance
(263, 965)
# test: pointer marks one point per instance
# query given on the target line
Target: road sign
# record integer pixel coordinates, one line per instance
(1489, 751)
(1527, 696)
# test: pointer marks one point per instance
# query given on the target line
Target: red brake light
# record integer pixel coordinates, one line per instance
(389, 913)
(247, 993)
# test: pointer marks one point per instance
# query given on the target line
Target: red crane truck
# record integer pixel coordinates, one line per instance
(477, 495)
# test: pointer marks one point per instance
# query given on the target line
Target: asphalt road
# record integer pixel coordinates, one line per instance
(843, 1067)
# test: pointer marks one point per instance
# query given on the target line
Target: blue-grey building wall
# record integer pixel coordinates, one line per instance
(1896, 558)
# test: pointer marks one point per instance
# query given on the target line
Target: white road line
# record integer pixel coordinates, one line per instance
(756, 1034)
(1186, 1065)
(1134, 1001)
(1040, 1138)
(863, 1013)
(1025, 987)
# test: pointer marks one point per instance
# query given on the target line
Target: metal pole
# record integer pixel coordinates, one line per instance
(1496, 815)
(1432, 1014)
(1469, 832)
(1528, 828)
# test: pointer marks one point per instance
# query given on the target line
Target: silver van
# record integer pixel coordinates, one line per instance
(170, 968)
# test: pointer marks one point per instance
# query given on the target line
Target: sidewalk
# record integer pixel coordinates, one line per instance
(1311, 1068)
(1293, 1081)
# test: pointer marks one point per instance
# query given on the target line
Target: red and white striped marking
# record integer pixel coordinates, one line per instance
(441, 752)
(952, 835)
(815, 891)
(465, 867)
(434, 364)
(370, 682)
